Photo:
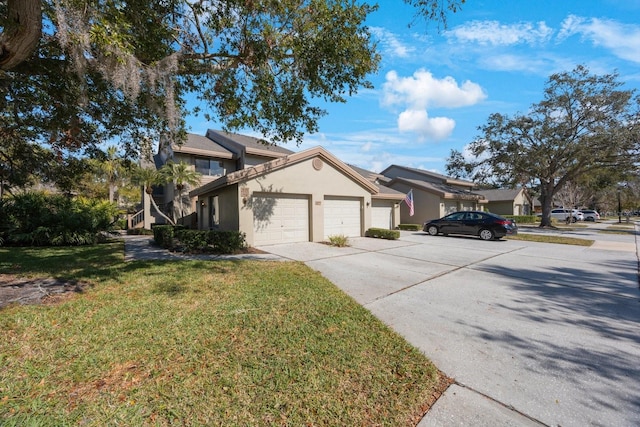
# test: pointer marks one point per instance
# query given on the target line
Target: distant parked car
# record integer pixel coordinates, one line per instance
(590, 215)
(485, 225)
(567, 215)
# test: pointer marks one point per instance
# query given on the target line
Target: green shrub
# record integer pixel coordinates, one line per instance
(227, 242)
(139, 232)
(523, 219)
(382, 233)
(216, 241)
(410, 227)
(339, 240)
(37, 219)
(163, 236)
(193, 240)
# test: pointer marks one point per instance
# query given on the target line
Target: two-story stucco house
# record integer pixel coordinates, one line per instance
(275, 195)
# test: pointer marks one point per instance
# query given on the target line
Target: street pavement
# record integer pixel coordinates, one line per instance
(532, 333)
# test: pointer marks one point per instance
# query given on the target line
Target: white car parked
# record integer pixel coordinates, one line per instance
(564, 214)
(590, 215)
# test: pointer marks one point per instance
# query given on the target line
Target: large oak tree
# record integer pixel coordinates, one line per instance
(585, 124)
(76, 73)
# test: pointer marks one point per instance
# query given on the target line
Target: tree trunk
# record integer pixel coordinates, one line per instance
(22, 32)
(112, 193)
(546, 198)
(155, 206)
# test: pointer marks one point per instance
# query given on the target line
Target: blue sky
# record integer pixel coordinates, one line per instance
(435, 88)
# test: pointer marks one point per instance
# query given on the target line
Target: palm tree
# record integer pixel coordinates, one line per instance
(147, 178)
(112, 168)
(182, 175)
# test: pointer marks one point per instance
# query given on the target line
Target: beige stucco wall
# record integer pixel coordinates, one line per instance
(301, 179)
(426, 205)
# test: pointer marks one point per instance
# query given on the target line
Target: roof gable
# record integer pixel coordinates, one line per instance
(281, 163)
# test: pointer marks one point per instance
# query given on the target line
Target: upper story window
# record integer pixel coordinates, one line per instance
(210, 167)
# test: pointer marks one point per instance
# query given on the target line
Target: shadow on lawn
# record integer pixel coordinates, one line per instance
(30, 274)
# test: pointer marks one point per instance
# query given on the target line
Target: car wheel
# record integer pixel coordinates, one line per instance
(432, 230)
(574, 219)
(486, 234)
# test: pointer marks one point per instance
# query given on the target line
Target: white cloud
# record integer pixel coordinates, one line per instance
(621, 39)
(418, 121)
(423, 90)
(497, 34)
(417, 93)
(390, 42)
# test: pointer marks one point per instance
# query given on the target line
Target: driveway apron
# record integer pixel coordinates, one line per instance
(532, 333)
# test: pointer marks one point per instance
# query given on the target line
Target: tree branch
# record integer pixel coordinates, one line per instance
(22, 32)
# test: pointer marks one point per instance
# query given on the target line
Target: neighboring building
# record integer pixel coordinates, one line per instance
(302, 197)
(508, 201)
(434, 195)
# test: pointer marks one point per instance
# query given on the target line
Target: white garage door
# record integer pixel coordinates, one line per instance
(342, 217)
(381, 215)
(280, 219)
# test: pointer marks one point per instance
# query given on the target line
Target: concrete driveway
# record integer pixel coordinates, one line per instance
(532, 333)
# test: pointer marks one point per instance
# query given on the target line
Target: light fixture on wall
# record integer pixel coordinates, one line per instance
(203, 204)
(368, 204)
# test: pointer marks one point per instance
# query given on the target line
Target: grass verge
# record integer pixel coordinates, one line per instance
(200, 343)
(545, 238)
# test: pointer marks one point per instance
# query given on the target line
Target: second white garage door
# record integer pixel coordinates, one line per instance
(280, 219)
(381, 215)
(342, 217)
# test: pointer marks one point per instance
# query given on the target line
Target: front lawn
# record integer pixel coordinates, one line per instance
(550, 238)
(200, 343)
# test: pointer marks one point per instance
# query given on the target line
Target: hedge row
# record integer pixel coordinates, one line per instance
(215, 241)
(382, 233)
(410, 227)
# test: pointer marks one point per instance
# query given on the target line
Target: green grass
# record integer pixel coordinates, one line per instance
(619, 228)
(546, 238)
(200, 343)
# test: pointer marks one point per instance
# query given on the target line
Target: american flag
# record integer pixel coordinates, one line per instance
(409, 201)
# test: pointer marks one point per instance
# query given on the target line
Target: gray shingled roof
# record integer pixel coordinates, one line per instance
(429, 173)
(200, 142)
(237, 141)
(499, 194)
(378, 180)
(440, 189)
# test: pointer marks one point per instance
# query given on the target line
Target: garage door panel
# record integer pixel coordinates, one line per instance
(280, 219)
(342, 216)
(381, 216)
